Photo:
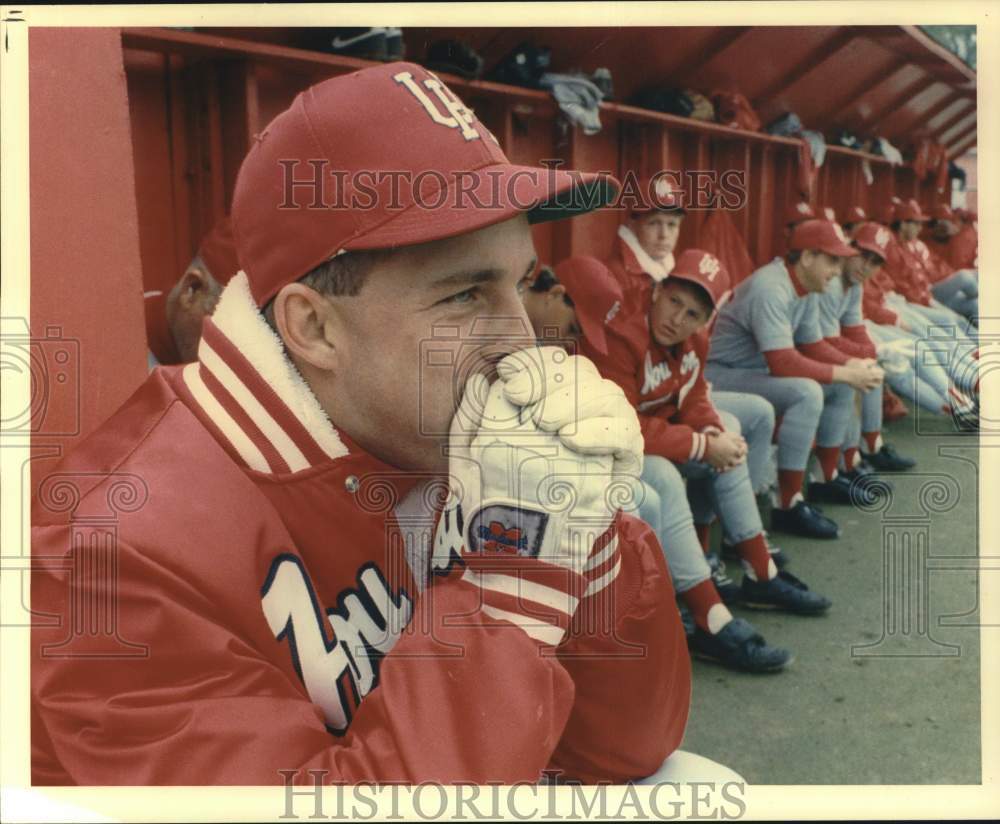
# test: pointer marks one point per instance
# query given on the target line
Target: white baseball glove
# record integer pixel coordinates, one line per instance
(533, 486)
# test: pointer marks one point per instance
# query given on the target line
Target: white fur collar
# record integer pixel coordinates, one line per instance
(239, 319)
(657, 271)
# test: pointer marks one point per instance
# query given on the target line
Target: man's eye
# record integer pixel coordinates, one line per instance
(465, 296)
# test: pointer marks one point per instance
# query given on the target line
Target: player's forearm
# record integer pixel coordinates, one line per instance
(790, 363)
(824, 351)
(856, 336)
(676, 442)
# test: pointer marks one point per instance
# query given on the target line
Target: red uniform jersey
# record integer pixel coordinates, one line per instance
(666, 386)
(963, 248)
(907, 267)
(873, 299)
(265, 599)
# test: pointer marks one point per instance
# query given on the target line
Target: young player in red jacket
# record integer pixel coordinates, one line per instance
(956, 287)
(642, 256)
(658, 356)
(314, 562)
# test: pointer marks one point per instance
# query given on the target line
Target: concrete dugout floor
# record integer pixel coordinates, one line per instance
(871, 697)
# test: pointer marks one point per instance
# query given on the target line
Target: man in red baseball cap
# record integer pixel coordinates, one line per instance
(955, 287)
(842, 324)
(577, 299)
(855, 217)
(175, 310)
(913, 271)
(657, 356)
(768, 341)
(644, 249)
(338, 462)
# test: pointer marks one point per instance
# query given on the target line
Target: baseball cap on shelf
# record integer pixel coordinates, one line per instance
(596, 295)
(380, 158)
(704, 269)
(798, 212)
(856, 215)
(942, 211)
(873, 237)
(910, 210)
(218, 251)
(822, 236)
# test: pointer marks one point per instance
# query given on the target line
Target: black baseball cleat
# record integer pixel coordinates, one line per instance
(784, 592)
(740, 646)
(837, 491)
(729, 590)
(803, 519)
(887, 459)
(777, 554)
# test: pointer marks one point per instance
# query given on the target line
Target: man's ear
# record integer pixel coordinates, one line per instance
(199, 291)
(307, 324)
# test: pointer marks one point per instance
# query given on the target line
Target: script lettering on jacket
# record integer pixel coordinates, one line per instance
(655, 375)
(337, 652)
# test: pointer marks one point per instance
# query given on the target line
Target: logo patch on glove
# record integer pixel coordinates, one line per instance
(507, 530)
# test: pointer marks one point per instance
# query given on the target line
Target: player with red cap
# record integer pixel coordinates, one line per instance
(657, 356)
(174, 313)
(957, 288)
(358, 516)
(854, 218)
(767, 340)
(941, 375)
(644, 249)
(842, 324)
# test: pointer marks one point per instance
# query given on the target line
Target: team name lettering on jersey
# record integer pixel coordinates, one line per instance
(336, 653)
(459, 115)
(689, 363)
(655, 375)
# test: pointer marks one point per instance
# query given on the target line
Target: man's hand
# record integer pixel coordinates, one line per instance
(725, 451)
(860, 377)
(524, 504)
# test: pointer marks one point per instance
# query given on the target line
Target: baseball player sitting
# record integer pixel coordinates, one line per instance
(643, 256)
(907, 267)
(657, 357)
(927, 381)
(174, 311)
(963, 247)
(842, 325)
(357, 554)
(900, 294)
(958, 289)
(767, 340)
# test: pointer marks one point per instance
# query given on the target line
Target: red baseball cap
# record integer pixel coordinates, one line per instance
(823, 236)
(658, 193)
(218, 251)
(856, 215)
(596, 294)
(889, 210)
(873, 237)
(399, 160)
(705, 269)
(798, 212)
(910, 210)
(942, 211)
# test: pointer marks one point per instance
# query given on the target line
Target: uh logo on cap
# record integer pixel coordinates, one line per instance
(459, 115)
